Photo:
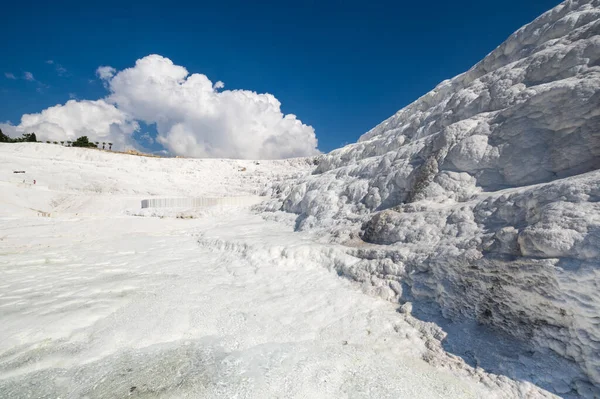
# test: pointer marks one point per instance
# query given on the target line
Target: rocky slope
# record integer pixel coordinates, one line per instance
(483, 195)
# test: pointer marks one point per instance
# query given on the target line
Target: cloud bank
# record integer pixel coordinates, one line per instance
(193, 116)
(98, 120)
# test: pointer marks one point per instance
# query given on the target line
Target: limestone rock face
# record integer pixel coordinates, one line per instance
(486, 189)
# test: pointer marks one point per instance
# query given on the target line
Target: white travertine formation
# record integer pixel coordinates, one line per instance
(483, 195)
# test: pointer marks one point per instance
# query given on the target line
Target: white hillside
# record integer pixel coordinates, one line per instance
(483, 195)
(104, 172)
(98, 303)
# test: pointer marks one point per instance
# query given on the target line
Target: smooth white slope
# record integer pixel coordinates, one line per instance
(103, 172)
(97, 303)
(453, 186)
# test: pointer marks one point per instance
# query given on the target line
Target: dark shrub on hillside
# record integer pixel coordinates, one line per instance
(83, 141)
(26, 138)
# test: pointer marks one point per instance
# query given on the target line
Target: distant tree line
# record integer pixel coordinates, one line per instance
(25, 138)
(82, 141)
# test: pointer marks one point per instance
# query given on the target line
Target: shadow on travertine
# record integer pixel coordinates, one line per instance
(498, 353)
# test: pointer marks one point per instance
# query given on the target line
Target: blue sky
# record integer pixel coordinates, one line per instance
(340, 66)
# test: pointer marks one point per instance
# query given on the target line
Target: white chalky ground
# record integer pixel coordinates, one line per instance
(96, 302)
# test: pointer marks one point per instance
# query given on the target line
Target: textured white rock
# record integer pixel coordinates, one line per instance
(211, 302)
(485, 191)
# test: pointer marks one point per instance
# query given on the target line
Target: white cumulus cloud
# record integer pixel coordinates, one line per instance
(105, 72)
(28, 76)
(9, 75)
(193, 117)
(98, 120)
